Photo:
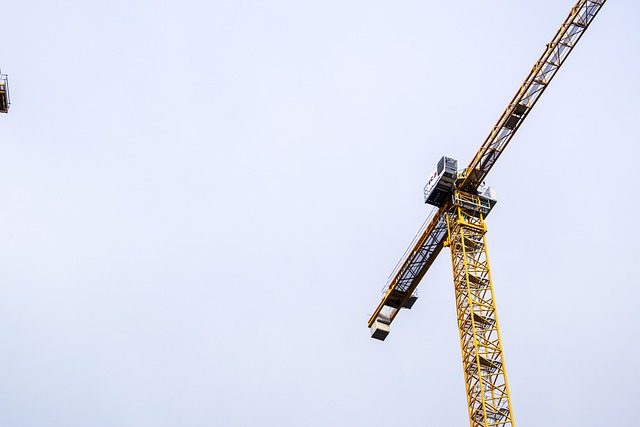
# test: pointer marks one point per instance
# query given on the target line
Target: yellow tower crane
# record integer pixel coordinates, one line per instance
(5, 102)
(462, 203)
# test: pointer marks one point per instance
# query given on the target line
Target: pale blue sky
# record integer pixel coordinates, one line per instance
(200, 201)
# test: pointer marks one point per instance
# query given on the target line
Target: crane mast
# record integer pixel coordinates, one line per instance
(462, 203)
(485, 377)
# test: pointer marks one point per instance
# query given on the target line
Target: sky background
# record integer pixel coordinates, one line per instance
(201, 200)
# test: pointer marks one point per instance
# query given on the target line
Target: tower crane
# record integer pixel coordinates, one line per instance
(5, 102)
(462, 203)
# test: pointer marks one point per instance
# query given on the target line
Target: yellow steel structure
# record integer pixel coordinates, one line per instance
(458, 222)
(484, 371)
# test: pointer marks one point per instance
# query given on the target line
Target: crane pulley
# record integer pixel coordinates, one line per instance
(462, 203)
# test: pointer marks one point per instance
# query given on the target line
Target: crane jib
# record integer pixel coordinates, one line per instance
(534, 85)
(401, 287)
(410, 271)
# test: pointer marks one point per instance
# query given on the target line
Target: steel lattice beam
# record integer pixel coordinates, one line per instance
(534, 85)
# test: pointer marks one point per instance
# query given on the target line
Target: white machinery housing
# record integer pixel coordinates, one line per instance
(440, 184)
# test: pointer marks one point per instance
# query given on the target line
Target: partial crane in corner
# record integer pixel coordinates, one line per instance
(462, 203)
(5, 101)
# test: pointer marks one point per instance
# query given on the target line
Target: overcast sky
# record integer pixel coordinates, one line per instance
(201, 200)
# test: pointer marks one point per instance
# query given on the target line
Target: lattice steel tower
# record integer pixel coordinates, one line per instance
(462, 203)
